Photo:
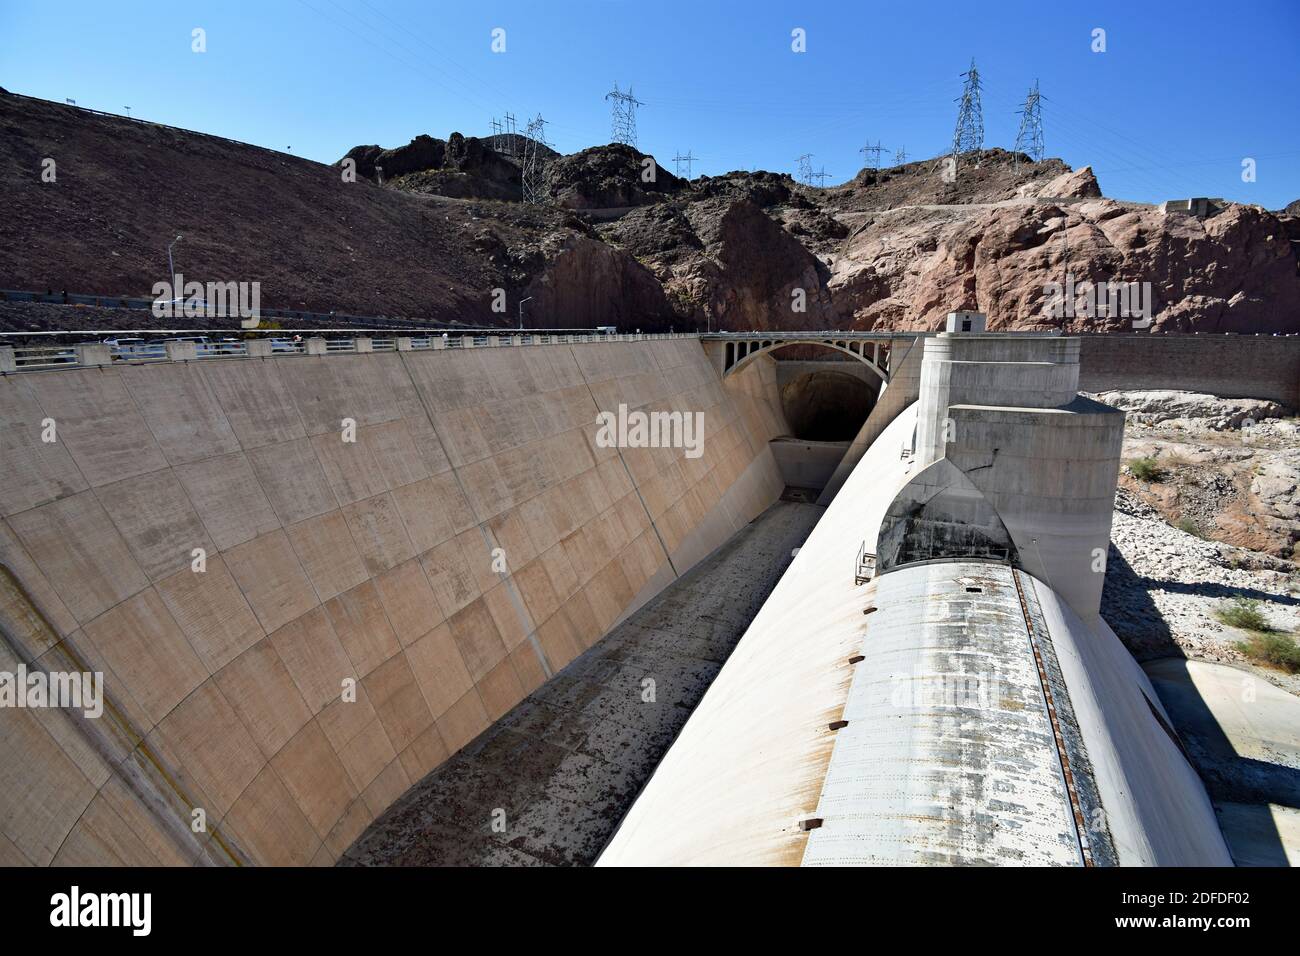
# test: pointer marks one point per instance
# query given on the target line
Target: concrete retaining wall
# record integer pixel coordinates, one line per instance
(1231, 366)
(328, 564)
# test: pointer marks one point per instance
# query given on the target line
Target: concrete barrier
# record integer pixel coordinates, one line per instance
(92, 354)
(181, 351)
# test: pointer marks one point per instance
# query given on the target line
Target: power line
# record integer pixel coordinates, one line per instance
(623, 116)
(968, 137)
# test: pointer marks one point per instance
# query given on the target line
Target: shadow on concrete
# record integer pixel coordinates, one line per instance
(1240, 787)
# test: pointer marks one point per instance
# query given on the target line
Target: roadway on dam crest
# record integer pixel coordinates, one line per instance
(558, 772)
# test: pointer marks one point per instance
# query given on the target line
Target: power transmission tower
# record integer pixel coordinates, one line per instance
(534, 189)
(623, 116)
(496, 136)
(820, 176)
(511, 136)
(1030, 138)
(900, 156)
(805, 169)
(872, 154)
(687, 159)
(968, 137)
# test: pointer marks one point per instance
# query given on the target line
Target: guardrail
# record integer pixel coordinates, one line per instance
(92, 354)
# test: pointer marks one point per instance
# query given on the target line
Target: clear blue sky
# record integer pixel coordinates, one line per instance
(1184, 91)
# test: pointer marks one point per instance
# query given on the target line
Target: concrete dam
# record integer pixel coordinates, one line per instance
(409, 605)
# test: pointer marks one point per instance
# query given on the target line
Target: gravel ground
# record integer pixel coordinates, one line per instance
(1163, 585)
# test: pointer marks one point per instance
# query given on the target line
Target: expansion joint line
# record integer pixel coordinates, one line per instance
(1076, 807)
(524, 617)
(632, 481)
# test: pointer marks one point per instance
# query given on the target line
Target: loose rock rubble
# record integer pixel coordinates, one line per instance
(1163, 584)
(1194, 411)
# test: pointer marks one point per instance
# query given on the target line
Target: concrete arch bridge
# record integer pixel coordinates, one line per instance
(734, 351)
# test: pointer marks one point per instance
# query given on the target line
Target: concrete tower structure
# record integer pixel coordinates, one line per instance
(1004, 412)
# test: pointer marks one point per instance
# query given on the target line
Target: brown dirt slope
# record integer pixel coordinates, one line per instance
(125, 188)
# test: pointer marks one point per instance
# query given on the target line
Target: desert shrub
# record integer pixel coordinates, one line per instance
(1245, 614)
(1145, 469)
(1189, 526)
(1273, 650)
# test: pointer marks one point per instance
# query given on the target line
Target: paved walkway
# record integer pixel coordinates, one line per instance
(549, 782)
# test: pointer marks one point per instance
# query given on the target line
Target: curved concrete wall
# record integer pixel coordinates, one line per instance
(327, 561)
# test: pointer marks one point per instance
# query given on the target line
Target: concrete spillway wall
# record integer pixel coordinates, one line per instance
(293, 627)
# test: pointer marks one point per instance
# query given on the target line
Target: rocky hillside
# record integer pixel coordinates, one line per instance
(432, 229)
(314, 240)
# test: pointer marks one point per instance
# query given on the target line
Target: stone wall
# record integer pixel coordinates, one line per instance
(1231, 366)
(327, 564)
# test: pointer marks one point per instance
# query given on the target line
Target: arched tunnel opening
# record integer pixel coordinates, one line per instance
(825, 403)
(826, 406)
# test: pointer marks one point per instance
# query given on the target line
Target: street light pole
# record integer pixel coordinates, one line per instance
(171, 268)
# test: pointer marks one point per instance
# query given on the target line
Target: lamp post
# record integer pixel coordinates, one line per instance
(171, 268)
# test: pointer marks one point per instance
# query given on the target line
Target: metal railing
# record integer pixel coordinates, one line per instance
(108, 351)
(865, 566)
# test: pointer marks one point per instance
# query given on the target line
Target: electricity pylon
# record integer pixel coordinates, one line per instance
(1029, 139)
(872, 154)
(968, 137)
(534, 189)
(623, 116)
(805, 169)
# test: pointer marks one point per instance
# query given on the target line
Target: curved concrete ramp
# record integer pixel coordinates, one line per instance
(368, 601)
